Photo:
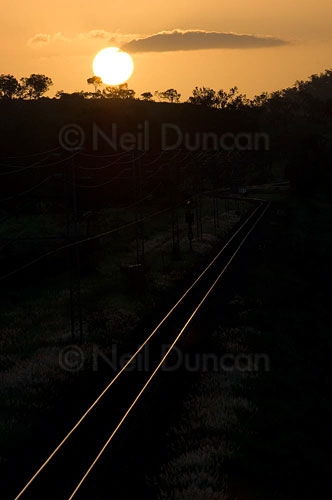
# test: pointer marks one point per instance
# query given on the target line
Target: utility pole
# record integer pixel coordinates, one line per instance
(174, 202)
(177, 228)
(70, 260)
(198, 202)
(189, 216)
(139, 226)
(140, 194)
(74, 262)
(77, 250)
(136, 272)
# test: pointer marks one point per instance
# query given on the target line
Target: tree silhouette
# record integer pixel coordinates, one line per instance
(9, 86)
(170, 95)
(60, 94)
(96, 81)
(34, 86)
(260, 100)
(203, 96)
(231, 99)
(147, 96)
(119, 92)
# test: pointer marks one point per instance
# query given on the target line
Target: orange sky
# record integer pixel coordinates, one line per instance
(61, 39)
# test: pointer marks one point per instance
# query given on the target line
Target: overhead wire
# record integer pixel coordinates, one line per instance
(35, 154)
(96, 401)
(112, 164)
(162, 361)
(80, 242)
(37, 165)
(27, 190)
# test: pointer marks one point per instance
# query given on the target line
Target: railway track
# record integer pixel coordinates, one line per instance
(100, 457)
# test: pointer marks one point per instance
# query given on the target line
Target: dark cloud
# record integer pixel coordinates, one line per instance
(198, 40)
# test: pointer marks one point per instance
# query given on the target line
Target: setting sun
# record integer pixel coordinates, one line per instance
(113, 66)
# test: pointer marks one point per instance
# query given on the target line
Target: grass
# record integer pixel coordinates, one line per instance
(35, 316)
(207, 441)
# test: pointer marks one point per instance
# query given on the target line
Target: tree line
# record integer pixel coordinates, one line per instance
(32, 87)
(303, 97)
(303, 94)
(201, 95)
